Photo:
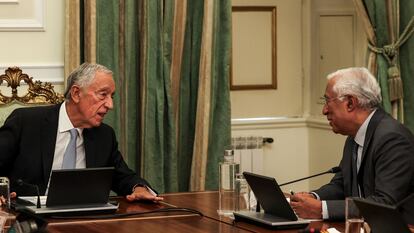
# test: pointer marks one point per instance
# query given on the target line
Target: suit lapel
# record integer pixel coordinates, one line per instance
(48, 134)
(372, 126)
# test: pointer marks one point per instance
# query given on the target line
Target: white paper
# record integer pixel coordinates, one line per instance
(33, 199)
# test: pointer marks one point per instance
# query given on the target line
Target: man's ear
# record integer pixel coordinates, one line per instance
(75, 93)
(352, 102)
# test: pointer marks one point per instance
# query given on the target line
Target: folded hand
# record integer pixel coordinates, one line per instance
(306, 206)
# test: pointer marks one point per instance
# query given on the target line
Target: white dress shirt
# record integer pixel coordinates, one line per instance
(62, 141)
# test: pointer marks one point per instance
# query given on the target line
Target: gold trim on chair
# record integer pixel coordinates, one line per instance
(37, 92)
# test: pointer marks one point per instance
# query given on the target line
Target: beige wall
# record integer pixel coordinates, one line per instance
(289, 73)
(38, 50)
(304, 143)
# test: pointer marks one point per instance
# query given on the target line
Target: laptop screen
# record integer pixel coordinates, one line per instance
(270, 196)
(71, 187)
(381, 218)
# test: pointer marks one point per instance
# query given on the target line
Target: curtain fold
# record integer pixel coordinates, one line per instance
(386, 43)
(171, 62)
(178, 147)
(406, 63)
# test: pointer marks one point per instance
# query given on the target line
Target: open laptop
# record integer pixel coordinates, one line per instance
(380, 217)
(77, 191)
(277, 211)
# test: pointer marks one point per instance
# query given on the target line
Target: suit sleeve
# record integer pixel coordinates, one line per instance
(9, 134)
(124, 178)
(393, 168)
(335, 189)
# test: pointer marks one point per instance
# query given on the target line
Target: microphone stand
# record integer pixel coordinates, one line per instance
(293, 181)
(21, 183)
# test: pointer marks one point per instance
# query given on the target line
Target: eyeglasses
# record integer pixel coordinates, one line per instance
(325, 99)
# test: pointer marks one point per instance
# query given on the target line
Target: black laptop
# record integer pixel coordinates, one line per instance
(77, 190)
(380, 217)
(277, 211)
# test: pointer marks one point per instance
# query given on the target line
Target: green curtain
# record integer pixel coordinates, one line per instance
(117, 48)
(385, 17)
(406, 63)
(169, 152)
(378, 16)
(159, 155)
(171, 62)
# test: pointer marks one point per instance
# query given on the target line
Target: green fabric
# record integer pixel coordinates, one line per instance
(406, 64)
(160, 156)
(108, 54)
(220, 123)
(167, 149)
(188, 92)
(168, 161)
(132, 84)
(378, 16)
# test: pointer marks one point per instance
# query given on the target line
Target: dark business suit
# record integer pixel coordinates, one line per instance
(27, 146)
(386, 174)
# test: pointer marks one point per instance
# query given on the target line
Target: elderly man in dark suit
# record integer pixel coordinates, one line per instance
(34, 141)
(378, 156)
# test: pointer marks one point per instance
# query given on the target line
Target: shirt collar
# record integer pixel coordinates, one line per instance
(64, 122)
(362, 131)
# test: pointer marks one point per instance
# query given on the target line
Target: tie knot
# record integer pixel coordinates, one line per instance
(73, 133)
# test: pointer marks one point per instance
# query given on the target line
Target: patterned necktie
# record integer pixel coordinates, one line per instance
(355, 191)
(69, 158)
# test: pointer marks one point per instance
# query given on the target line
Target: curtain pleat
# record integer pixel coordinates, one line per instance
(170, 61)
(200, 155)
(72, 36)
(389, 48)
(406, 11)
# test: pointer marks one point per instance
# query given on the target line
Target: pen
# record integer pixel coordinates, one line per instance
(292, 193)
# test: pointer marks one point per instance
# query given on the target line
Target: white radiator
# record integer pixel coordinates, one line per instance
(248, 152)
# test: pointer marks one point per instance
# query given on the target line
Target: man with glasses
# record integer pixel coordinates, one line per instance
(378, 156)
(34, 141)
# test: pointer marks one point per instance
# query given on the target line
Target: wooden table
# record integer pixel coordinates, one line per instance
(205, 202)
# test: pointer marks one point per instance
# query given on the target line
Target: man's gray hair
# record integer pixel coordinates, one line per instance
(83, 76)
(358, 82)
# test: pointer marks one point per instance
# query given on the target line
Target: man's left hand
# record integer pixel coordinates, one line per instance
(306, 206)
(142, 193)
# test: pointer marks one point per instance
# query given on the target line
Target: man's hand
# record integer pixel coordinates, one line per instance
(306, 206)
(142, 193)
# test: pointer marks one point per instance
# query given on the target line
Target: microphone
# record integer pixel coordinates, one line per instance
(22, 183)
(332, 170)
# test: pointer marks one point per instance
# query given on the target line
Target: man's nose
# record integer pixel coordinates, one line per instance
(109, 103)
(325, 109)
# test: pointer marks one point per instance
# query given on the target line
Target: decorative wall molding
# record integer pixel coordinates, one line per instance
(36, 23)
(279, 122)
(52, 73)
(9, 1)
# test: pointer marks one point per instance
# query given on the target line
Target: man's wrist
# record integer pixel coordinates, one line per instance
(138, 185)
(145, 187)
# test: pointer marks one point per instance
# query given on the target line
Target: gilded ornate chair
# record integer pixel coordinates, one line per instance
(37, 93)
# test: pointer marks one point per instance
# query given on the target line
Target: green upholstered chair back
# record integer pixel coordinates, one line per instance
(34, 93)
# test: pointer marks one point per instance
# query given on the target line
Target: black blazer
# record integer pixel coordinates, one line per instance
(27, 145)
(386, 173)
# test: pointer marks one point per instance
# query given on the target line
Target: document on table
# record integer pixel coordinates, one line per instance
(33, 199)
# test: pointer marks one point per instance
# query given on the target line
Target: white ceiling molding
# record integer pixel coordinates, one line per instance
(36, 23)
